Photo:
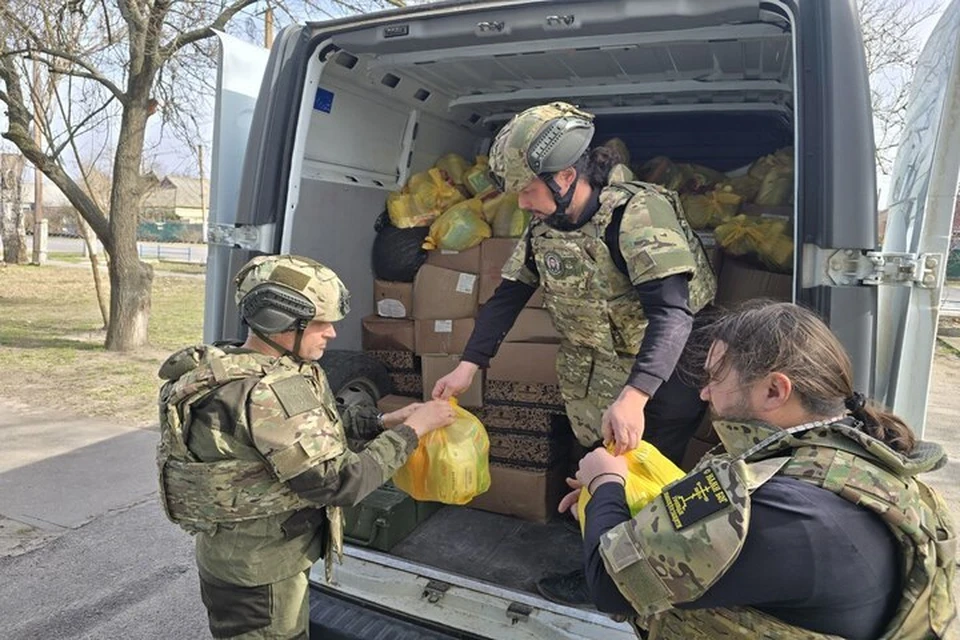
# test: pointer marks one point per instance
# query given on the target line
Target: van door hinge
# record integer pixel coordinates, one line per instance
(242, 236)
(434, 591)
(855, 267)
(518, 612)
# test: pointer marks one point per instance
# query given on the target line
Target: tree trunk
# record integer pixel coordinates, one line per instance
(11, 213)
(130, 279)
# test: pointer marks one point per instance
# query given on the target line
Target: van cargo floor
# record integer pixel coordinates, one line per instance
(494, 548)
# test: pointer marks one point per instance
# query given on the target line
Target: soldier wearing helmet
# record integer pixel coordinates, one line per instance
(253, 457)
(623, 275)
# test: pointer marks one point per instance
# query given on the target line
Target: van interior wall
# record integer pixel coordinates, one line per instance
(721, 141)
(334, 222)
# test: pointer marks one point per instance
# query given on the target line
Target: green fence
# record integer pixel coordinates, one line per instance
(170, 232)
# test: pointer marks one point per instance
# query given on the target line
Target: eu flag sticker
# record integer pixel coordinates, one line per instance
(323, 101)
(694, 498)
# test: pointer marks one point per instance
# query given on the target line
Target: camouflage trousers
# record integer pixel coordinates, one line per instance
(275, 611)
(709, 624)
(590, 381)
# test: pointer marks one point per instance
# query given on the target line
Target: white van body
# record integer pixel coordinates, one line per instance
(309, 142)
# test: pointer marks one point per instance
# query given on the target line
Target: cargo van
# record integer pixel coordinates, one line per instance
(312, 135)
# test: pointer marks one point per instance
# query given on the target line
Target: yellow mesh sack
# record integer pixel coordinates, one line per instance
(454, 165)
(450, 465)
(460, 227)
(648, 472)
(745, 186)
(776, 189)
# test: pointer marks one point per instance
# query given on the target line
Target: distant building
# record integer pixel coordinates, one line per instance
(177, 198)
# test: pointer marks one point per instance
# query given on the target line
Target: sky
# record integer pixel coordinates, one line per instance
(169, 155)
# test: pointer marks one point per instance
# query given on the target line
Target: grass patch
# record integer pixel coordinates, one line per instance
(51, 343)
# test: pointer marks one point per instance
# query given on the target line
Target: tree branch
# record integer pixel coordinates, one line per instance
(89, 71)
(218, 23)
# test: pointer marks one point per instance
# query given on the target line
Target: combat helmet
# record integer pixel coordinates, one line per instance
(537, 143)
(284, 293)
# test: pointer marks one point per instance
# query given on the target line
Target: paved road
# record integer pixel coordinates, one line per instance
(171, 251)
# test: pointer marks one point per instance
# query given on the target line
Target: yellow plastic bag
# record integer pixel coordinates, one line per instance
(764, 238)
(403, 211)
(500, 202)
(745, 186)
(477, 179)
(648, 472)
(435, 195)
(450, 465)
(776, 189)
(454, 165)
(710, 209)
(511, 223)
(460, 227)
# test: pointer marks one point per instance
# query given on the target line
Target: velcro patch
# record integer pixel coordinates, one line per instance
(694, 498)
(296, 395)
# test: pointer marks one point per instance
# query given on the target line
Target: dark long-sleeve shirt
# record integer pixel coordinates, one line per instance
(665, 303)
(810, 559)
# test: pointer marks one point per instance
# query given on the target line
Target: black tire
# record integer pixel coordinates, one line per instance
(397, 254)
(355, 377)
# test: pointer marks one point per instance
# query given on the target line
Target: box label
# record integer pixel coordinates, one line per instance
(443, 326)
(448, 252)
(466, 282)
(389, 308)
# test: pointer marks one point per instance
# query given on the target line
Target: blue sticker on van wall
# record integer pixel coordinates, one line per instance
(323, 100)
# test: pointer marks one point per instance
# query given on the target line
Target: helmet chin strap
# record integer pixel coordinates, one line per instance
(559, 219)
(293, 353)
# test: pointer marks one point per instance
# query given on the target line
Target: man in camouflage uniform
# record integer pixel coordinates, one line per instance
(811, 525)
(622, 274)
(253, 457)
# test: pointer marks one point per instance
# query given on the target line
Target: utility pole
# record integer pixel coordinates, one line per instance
(203, 204)
(268, 28)
(39, 226)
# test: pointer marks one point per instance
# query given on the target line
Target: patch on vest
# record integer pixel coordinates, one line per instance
(694, 498)
(295, 395)
(553, 262)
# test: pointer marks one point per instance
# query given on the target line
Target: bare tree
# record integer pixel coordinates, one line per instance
(11, 212)
(76, 66)
(892, 45)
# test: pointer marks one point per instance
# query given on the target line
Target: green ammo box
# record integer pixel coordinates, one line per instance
(385, 517)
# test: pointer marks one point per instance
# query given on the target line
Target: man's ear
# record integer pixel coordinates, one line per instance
(565, 178)
(777, 391)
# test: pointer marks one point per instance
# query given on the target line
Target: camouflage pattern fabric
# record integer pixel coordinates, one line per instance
(655, 564)
(319, 284)
(594, 305)
(297, 427)
(508, 153)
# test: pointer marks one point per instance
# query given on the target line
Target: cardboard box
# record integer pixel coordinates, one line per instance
(387, 334)
(525, 362)
(534, 452)
(523, 394)
(494, 253)
(739, 282)
(442, 336)
(393, 299)
(533, 325)
(467, 261)
(535, 420)
(388, 404)
(436, 366)
(444, 294)
(530, 495)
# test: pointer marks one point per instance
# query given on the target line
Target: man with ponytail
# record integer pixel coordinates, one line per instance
(622, 274)
(811, 523)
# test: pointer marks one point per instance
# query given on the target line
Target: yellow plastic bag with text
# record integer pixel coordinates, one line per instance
(477, 179)
(648, 472)
(450, 465)
(435, 194)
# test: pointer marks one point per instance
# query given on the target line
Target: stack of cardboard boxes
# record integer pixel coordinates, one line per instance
(419, 333)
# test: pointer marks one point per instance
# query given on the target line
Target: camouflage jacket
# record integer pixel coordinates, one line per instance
(249, 446)
(681, 543)
(592, 302)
